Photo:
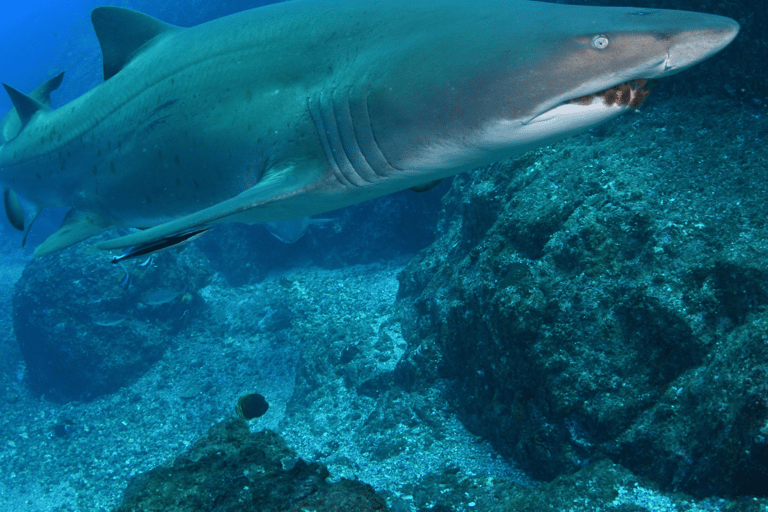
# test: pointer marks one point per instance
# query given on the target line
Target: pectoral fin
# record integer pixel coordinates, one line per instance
(288, 231)
(76, 227)
(279, 186)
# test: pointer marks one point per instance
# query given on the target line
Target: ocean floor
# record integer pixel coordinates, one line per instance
(221, 356)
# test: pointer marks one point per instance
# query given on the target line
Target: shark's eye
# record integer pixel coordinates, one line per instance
(600, 42)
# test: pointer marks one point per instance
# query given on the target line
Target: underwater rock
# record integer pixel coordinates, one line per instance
(82, 334)
(606, 298)
(233, 470)
(600, 486)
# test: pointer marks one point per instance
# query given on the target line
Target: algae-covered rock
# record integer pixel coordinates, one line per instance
(83, 326)
(607, 299)
(233, 470)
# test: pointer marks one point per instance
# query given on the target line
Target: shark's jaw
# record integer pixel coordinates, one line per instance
(630, 94)
(598, 106)
(561, 120)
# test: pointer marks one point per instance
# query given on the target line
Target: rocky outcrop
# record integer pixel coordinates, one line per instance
(233, 470)
(84, 331)
(607, 299)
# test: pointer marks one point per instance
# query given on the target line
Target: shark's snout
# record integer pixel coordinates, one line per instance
(690, 47)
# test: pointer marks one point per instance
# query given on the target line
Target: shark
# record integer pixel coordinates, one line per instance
(302, 107)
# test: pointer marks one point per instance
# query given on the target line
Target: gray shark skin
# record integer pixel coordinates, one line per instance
(306, 106)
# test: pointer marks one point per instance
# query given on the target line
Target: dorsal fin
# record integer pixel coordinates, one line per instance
(25, 106)
(43, 93)
(122, 33)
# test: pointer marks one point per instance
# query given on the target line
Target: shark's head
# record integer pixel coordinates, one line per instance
(503, 87)
(602, 67)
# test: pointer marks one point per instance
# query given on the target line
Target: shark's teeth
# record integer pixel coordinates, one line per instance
(632, 94)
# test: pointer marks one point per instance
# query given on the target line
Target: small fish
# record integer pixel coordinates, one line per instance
(176, 240)
(125, 282)
(64, 428)
(148, 261)
(162, 297)
(251, 406)
(109, 319)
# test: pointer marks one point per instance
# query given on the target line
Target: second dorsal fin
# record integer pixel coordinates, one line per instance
(43, 93)
(122, 33)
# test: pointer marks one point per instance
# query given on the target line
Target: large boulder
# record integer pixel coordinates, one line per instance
(233, 470)
(84, 328)
(608, 299)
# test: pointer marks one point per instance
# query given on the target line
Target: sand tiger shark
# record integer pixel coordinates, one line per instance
(302, 107)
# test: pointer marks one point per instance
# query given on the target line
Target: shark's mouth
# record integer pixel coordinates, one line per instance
(632, 94)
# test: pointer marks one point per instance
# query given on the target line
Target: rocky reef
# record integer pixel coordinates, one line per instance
(594, 311)
(607, 301)
(232, 470)
(86, 328)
